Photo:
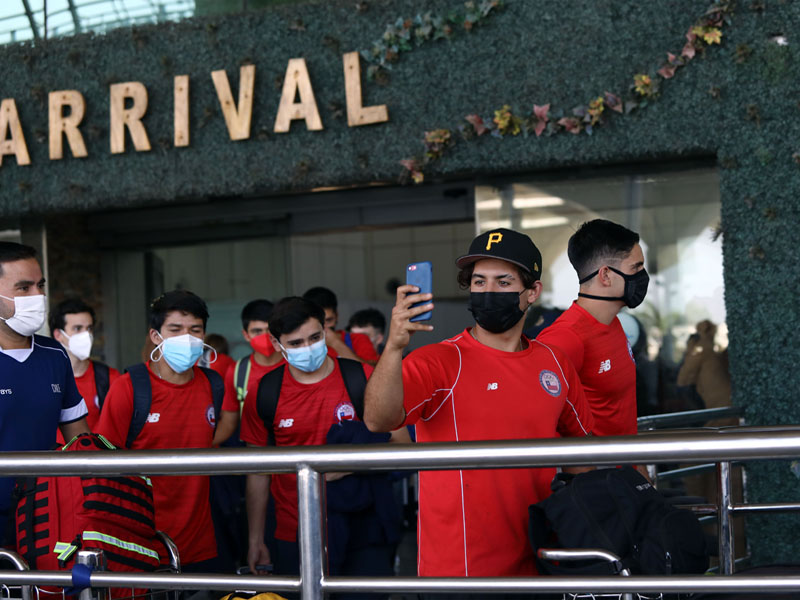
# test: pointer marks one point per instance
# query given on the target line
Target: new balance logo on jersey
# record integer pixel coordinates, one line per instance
(285, 423)
(153, 417)
(491, 387)
(56, 387)
(5, 392)
(605, 365)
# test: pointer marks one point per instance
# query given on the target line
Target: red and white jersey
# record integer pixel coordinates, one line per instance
(88, 389)
(222, 364)
(304, 414)
(474, 522)
(360, 344)
(604, 360)
(181, 416)
(257, 371)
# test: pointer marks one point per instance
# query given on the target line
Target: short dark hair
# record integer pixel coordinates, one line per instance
(256, 310)
(290, 313)
(367, 317)
(12, 251)
(182, 301)
(323, 297)
(464, 276)
(599, 241)
(70, 306)
(218, 342)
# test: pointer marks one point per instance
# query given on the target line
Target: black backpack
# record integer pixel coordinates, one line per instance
(143, 396)
(269, 392)
(102, 381)
(620, 511)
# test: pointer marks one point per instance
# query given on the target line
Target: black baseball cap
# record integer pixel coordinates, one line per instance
(504, 244)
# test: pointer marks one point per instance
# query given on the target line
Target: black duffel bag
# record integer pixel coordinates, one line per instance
(620, 511)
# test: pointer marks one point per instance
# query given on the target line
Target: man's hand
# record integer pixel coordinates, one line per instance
(257, 554)
(228, 421)
(383, 398)
(401, 327)
(335, 342)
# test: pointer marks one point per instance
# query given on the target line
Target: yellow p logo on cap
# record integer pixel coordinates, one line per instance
(494, 238)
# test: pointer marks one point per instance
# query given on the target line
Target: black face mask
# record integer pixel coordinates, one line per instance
(635, 288)
(496, 311)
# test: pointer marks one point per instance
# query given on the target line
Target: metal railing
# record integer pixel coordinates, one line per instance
(687, 418)
(310, 464)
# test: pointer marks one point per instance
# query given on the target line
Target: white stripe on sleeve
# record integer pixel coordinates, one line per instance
(73, 413)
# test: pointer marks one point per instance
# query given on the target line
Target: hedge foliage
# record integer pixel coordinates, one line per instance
(738, 102)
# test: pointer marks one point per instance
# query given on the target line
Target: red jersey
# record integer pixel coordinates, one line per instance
(88, 391)
(181, 416)
(222, 364)
(604, 360)
(360, 344)
(475, 522)
(304, 414)
(257, 371)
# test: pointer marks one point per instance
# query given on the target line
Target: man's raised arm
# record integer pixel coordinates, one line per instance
(383, 400)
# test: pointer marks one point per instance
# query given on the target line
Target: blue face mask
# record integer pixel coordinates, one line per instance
(180, 352)
(308, 358)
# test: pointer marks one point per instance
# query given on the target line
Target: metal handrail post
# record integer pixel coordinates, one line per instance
(724, 521)
(312, 523)
(22, 565)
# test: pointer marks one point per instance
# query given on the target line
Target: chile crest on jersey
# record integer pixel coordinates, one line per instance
(345, 411)
(210, 417)
(550, 383)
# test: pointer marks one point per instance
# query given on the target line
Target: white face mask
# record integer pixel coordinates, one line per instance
(80, 344)
(29, 314)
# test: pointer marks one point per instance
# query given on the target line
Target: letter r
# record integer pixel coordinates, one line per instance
(494, 238)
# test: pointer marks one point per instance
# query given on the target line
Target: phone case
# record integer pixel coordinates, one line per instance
(420, 274)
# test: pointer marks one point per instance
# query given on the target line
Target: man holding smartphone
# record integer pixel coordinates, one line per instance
(488, 383)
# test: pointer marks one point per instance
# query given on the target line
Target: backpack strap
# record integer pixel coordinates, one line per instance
(142, 397)
(217, 392)
(355, 382)
(25, 492)
(348, 340)
(269, 392)
(241, 375)
(101, 381)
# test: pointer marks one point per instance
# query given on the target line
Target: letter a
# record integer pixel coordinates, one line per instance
(9, 122)
(297, 81)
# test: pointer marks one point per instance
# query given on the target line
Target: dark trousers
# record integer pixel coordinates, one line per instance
(212, 565)
(285, 561)
(371, 561)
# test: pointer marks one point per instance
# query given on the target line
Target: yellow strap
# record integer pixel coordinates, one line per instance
(64, 550)
(241, 390)
(262, 596)
(96, 536)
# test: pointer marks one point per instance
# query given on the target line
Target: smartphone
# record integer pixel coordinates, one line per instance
(420, 274)
(260, 570)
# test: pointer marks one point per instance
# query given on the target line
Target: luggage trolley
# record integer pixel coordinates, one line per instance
(566, 555)
(93, 558)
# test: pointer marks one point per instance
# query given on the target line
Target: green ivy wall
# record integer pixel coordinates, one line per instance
(738, 102)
